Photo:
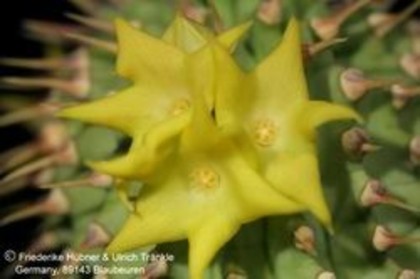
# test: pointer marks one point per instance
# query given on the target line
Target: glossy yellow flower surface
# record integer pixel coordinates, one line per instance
(216, 147)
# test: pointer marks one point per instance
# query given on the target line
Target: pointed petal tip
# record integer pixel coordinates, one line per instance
(96, 166)
(325, 219)
(68, 112)
(112, 248)
(100, 167)
(231, 37)
(120, 22)
(293, 25)
(245, 26)
(118, 167)
(316, 113)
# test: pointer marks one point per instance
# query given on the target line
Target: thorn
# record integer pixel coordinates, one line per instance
(379, 22)
(89, 7)
(50, 32)
(269, 11)
(46, 241)
(52, 137)
(65, 156)
(233, 275)
(93, 180)
(56, 203)
(156, 269)
(375, 193)
(95, 23)
(356, 142)
(369, 148)
(413, 28)
(414, 148)
(119, 3)
(326, 275)
(383, 239)
(410, 62)
(355, 84)
(317, 47)
(43, 177)
(384, 23)
(217, 19)
(33, 63)
(77, 60)
(407, 274)
(17, 156)
(305, 239)
(12, 186)
(96, 237)
(28, 169)
(402, 94)
(91, 41)
(234, 271)
(77, 87)
(197, 14)
(33, 112)
(327, 28)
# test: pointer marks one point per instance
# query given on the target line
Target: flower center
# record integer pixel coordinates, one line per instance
(264, 132)
(205, 177)
(179, 107)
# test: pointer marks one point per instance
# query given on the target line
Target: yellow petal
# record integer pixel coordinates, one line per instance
(147, 150)
(145, 58)
(119, 111)
(215, 75)
(316, 113)
(145, 229)
(230, 38)
(190, 36)
(281, 80)
(184, 35)
(297, 177)
(231, 84)
(258, 197)
(205, 242)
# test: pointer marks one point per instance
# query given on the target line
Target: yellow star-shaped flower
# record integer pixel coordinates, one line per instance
(156, 107)
(271, 106)
(281, 122)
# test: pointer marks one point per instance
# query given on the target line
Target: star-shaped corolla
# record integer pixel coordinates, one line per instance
(281, 122)
(204, 191)
(157, 106)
